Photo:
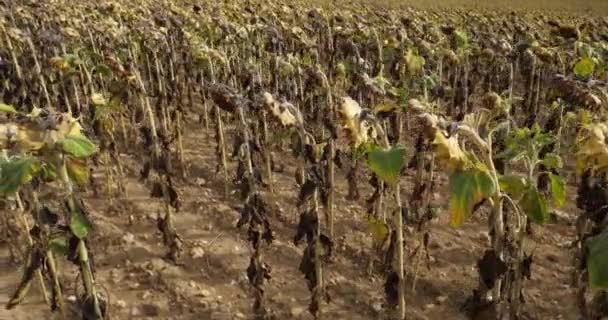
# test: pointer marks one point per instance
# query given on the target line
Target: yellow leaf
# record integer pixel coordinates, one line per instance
(448, 152)
(78, 170)
(592, 148)
(98, 99)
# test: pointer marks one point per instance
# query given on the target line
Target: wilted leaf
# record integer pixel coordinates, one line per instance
(592, 149)
(414, 62)
(552, 161)
(97, 99)
(462, 39)
(597, 261)
(16, 172)
(468, 188)
(387, 163)
(448, 152)
(534, 205)
(78, 170)
(558, 190)
(513, 185)
(385, 107)
(584, 67)
(79, 146)
(358, 123)
(349, 108)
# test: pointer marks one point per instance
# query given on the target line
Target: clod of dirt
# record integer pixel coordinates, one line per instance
(297, 311)
(120, 304)
(377, 307)
(128, 238)
(441, 299)
(145, 310)
(204, 293)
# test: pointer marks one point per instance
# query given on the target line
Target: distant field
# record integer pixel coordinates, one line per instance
(578, 7)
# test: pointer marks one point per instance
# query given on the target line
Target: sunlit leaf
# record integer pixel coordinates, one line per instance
(97, 99)
(468, 188)
(533, 203)
(513, 185)
(597, 261)
(387, 163)
(558, 190)
(584, 67)
(7, 108)
(448, 153)
(552, 161)
(414, 62)
(79, 146)
(592, 148)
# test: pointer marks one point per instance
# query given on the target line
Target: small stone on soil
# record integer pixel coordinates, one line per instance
(120, 304)
(296, 311)
(197, 252)
(441, 299)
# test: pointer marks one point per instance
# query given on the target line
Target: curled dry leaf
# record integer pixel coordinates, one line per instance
(593, 151)
(448, 152)
(286, 113)
(35, 132)
(359, 123)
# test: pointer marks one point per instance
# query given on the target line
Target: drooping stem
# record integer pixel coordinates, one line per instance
(268, 155)
(30, 243)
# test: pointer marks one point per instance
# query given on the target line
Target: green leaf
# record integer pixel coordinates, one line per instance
(7, 108)
(534, 205)
(79, 225)
(513, 185)
(58, 246)
(79, 146)
(387, 163)
(584, 67)
(597, 261)
(558, 190)
(14, 173)
(468, 188)
(552, 161)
